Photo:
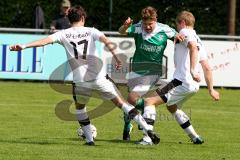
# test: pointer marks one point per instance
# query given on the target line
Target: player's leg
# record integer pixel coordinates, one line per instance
(149, 114)
(133, 114)
(133, 99)
(175, 100)
(110, 91)
(156, 98)
(138, 87)
(184, 121)
(81, 97)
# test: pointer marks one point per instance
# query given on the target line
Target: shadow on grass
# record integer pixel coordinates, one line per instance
(115, 141)
(41, 141)
(72, 141)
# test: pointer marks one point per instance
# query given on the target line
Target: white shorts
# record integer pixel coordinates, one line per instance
(176, 93)
(141, 84)
(83, 91)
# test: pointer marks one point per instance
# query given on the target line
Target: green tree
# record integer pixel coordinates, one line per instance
(211, 16)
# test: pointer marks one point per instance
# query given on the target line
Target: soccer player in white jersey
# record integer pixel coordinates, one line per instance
(88, 71)
(187, 56)
(150, 40)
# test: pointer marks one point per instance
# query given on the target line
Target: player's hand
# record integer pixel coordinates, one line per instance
(196, 76)
(128, 22)
(179, 38)
(17, 47)
(118, 64)
(214, 94)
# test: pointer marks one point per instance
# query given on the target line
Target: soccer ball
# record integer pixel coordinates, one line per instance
(81, 133)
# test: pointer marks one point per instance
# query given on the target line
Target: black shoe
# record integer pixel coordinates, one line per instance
(126, 131)
(90, 143)
(198, 140)
(154, 137)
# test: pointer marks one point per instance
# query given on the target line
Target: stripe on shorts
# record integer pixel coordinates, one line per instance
(161, 92)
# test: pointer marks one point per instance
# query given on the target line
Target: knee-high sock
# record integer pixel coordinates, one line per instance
(183, 121)
(150, 115)
(84, 122)
(88, 133)
(134, 114)
(140, 104)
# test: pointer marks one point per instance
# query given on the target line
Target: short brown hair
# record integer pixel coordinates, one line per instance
(149, 13)
(76, 13)
(187, 17)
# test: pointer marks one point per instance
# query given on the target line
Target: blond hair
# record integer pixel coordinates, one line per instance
(187, 17)
(149, 13)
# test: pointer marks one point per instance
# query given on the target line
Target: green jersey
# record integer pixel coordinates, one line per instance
(150, 47)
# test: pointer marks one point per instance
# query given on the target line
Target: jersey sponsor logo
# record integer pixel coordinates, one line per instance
(75, 36)
(151, 48)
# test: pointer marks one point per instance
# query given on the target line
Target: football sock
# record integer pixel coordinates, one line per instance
(134, 114)
(141, 121)
(127, 122)
(183, 121)
(126, 108)
(150, 115)
(84, 122)
(82, 116)
(88, 133)
(140, 104)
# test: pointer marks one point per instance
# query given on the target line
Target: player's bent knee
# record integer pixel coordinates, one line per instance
(149, 101)
(133, 97)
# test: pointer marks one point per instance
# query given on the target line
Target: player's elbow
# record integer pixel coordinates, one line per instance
(207, 68)
(122, 32)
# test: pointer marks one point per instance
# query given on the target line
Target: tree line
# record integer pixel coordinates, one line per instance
(211, 16)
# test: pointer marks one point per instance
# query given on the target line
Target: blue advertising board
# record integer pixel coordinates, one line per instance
(32, 63)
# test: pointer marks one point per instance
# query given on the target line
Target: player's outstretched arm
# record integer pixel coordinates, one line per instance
(124, 27)
(209, 80)
(111, 48)
(37, 43)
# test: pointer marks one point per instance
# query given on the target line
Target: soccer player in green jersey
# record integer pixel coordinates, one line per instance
(150, 41)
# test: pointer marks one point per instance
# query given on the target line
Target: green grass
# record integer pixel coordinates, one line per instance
(29, 128)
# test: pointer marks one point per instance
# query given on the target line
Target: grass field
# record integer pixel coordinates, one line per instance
(29, 129)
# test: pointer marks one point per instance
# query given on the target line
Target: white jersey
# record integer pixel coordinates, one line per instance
(182, 58)
(79, 43)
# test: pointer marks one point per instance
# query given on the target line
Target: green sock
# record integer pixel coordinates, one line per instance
(140, 104)
(127, 124)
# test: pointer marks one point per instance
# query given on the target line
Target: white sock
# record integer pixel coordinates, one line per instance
(141, 121)
(138, 118)
(81, 114)
(87, 130)
(149, 113)
(127, 107)
(191, 132)
(183, 120)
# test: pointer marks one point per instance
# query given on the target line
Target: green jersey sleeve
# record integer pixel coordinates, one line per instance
(131, 30)
(170, 32)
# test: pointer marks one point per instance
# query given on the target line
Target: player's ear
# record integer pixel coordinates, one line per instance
(83, 19)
